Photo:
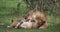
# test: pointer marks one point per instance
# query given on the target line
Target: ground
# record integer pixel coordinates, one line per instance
(7, 13)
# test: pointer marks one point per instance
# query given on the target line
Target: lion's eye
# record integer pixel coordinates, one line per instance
(32, 20)
(25, 18)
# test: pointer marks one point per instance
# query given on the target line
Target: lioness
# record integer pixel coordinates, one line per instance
(39, 17)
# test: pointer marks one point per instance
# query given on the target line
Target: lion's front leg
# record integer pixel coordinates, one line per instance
(45, 25)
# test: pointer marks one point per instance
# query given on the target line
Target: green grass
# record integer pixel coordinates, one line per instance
(7, 14)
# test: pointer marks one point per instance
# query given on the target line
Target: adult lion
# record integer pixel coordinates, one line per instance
(39, 17)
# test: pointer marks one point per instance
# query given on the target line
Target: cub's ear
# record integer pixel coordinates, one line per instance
(11, 21)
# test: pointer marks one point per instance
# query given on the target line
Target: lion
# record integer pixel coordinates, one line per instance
(39, 17)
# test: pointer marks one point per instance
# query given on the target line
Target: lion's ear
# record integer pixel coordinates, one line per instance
(25, 17)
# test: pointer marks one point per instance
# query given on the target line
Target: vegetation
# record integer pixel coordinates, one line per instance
(8, 11)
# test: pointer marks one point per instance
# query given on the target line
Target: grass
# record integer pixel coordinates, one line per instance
(7, 14)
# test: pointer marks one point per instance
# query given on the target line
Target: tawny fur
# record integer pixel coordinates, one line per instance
(34, 14)
(37, 16)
